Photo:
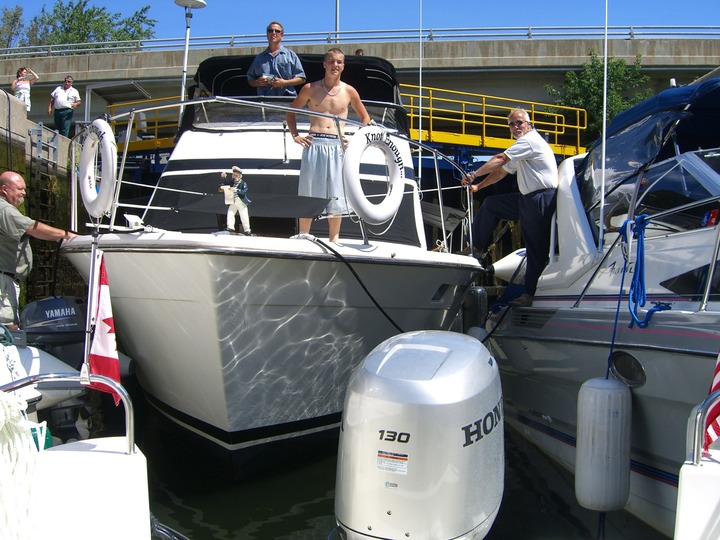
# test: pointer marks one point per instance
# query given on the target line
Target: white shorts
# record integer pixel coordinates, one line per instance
(321, 173)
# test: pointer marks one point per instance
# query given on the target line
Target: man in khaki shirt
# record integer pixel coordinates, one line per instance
(15, 252)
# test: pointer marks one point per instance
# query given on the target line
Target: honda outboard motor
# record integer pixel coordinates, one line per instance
(421, 444)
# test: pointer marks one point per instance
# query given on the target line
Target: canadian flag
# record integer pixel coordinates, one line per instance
(103, 357)
(712, 423)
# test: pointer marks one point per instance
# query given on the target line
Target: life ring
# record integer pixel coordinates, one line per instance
(372, 213)
(100, 138)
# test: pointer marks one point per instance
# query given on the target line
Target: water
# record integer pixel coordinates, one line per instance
(538, 501)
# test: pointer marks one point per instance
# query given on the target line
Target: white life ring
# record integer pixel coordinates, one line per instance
(99, 138)
(368, 136)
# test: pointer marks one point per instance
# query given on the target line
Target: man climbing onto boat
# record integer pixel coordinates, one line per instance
(532, 159)
(15, 251)
(321, 166)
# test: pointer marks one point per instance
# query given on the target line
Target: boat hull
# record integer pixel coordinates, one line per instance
(248, 340)
(546, 354)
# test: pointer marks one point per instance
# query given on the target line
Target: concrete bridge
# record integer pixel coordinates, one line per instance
(516, 66)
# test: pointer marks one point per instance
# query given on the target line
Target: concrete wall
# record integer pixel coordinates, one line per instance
(14, 123)
(510, 68)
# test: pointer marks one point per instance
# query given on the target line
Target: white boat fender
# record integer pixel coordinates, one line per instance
(367, 137)
(506, 267)
(478, 333)
(100, 139)
(602, 461)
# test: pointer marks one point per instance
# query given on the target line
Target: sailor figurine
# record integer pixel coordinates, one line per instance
(236, 199)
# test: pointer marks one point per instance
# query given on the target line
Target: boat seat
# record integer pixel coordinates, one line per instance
(119, 480)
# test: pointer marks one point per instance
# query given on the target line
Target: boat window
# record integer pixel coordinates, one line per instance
(677, 199)
(223, 116)
(691, 285)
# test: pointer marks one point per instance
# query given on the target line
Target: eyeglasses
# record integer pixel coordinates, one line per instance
(68, 80)
(274, 31)
(516, 123)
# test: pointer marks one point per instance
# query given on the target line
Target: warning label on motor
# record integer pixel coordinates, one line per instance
(392, 462)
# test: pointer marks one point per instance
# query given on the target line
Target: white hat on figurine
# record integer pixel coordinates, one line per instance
(237, 169)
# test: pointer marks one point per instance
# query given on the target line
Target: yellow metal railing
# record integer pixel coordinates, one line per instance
(448, 117)
(150, 130)
(454, 117)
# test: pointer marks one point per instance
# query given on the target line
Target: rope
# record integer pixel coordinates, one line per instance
(617, 309)
(6, 337)
(637, 295)
(360, 282)
(18, 460)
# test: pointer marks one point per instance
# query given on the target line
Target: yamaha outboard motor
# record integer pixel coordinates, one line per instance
(421, 444)
(57, 326)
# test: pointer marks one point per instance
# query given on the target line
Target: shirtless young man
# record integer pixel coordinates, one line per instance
(321, 167)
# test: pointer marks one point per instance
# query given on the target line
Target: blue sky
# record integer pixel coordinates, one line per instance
(227, 17)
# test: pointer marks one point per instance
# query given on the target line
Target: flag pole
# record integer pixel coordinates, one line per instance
(91, 304)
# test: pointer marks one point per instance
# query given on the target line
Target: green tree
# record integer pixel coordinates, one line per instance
(11, 26)
(584, 89)
(78, 22)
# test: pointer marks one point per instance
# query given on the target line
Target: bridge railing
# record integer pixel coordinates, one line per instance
(448, 116)
(374, 36)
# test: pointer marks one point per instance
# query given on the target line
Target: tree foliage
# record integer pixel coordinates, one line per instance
(584, 89)
(11, 26)
(75, 21)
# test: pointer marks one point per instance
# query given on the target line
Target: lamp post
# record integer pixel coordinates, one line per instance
(188, 5)
(337, 21)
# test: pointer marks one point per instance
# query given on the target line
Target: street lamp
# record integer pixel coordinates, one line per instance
(337, 21)
(188, 5)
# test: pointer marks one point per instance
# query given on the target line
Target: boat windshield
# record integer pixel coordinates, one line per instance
(711, 158)
(675, 198)
(678, 194)
(224, 115)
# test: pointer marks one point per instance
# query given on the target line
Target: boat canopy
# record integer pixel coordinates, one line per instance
(374, 78)
(675, 121)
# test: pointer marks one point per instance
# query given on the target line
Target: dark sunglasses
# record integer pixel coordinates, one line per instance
(516, 123)
(274, 31)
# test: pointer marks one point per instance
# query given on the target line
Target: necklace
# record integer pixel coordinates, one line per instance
(328, 91)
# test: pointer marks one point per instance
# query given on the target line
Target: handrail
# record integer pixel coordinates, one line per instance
(482, 119)
(72, 377)
(699, 425)
(468, 118)
(373, 36)
(129, 111)
(152, 128)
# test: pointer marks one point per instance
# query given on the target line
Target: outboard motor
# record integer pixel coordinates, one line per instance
(57, 325)
(421, 451)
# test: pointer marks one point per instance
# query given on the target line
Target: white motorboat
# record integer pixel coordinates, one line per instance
(662, 160)
(37, 473)
(245, 340)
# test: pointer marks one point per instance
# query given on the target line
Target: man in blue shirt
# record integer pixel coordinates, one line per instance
(277, 70)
